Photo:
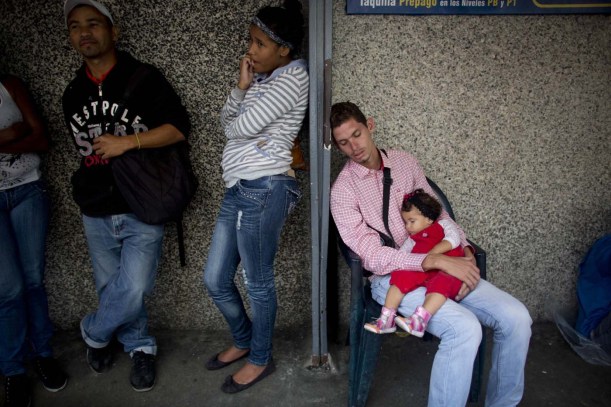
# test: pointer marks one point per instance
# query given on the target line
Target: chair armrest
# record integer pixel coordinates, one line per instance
(480, 259)
(356, 267)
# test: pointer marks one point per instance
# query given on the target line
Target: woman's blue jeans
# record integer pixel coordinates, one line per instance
(125, 253)
(24, 313)
(247, 231)
(458, 325)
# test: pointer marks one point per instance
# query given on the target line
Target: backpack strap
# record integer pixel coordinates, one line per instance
(181, 242)
(385, 200)
(139, 74)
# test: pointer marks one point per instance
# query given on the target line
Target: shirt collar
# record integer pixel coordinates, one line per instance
(96, 80)
(262, 78)
(361, 171)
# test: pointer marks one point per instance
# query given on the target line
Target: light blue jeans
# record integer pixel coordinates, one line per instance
(247, 231)
(125, 253)
(24, 312)
(458, 327)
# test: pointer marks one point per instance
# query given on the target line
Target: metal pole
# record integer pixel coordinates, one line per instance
(325, 176)
(315, 102)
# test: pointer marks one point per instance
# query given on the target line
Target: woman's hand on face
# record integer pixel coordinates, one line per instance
(246, 72)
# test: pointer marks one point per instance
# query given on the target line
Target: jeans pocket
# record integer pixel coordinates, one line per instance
(34, 191)
(39, 186)
(293, 195)
(256, 190)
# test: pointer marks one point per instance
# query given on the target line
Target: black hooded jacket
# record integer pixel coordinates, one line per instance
(90, 111)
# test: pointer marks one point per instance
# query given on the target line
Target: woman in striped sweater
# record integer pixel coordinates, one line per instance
(261, 119)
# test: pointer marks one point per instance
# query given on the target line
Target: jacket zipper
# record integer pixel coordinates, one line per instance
(106, 124)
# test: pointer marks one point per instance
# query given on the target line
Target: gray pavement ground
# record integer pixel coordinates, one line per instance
(555, 375)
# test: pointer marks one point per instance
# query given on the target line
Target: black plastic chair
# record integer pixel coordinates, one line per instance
(365, 346)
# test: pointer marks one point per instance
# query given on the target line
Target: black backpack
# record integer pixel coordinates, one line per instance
(157, 183)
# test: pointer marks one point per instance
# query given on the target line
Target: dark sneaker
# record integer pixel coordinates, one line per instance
(17, 393)
(143, 374)
(99, 359)
(50, 374)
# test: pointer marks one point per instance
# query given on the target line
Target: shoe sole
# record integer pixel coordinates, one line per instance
(375, 330)
(417, 334)
(145, 389)
(403, 325)
(55, 390)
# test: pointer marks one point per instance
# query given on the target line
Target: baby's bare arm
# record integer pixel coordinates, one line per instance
(441, 247)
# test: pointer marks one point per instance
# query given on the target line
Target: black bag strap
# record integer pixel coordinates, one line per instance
(141, 72)
(386, 198)
(137, 77)
(181, 242)
(388, 240)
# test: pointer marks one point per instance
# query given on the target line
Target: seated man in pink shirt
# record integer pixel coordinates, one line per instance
(356, 205)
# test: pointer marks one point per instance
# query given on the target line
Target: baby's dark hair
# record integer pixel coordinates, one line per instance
(426, 204)
(286, 22)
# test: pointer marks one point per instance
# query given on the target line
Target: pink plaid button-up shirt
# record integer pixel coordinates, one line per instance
(356, 205)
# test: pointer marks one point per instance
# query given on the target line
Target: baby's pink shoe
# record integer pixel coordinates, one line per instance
(416, 323)
(385, 324)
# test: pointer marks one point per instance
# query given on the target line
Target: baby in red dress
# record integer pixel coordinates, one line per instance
(427, 235)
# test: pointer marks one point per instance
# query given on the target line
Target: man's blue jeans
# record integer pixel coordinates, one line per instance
(248, 230)
(24, 313)
(458, 327)
(125, 253)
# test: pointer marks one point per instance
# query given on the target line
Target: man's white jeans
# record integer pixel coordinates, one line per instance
(458, 327)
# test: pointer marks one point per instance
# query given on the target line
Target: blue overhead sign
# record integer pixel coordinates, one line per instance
(478, 7)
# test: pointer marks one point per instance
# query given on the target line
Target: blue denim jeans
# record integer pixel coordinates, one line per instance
(24, 314)
(125, 253)
(458, 327)
(247, 231)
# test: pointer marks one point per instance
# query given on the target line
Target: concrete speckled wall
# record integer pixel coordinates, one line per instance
(510, 115)
(197, 44)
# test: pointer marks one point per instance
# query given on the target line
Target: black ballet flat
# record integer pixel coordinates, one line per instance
(231, 387)
(215, 364)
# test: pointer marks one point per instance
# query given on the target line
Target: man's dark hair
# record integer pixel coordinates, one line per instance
(344, 111)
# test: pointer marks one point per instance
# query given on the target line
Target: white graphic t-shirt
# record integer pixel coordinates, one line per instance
(15, 169)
